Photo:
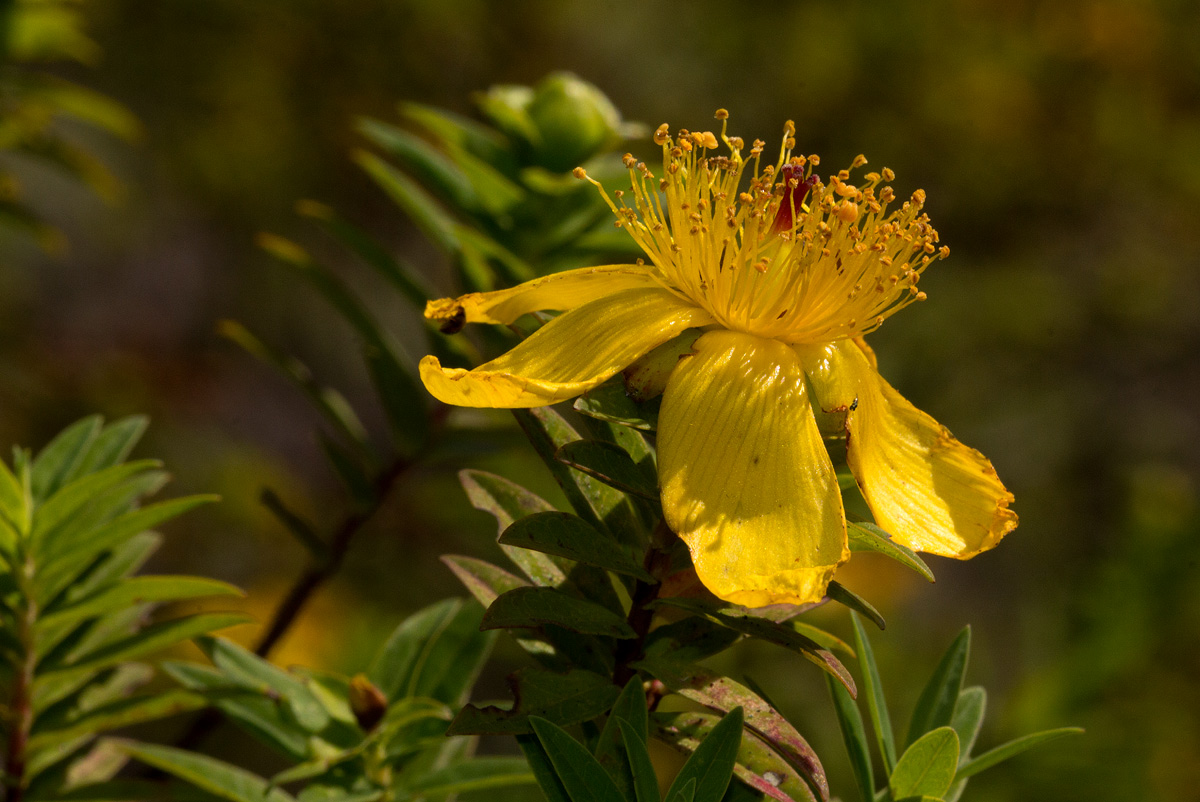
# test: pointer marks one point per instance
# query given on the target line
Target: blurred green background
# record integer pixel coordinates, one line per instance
(1059, 143)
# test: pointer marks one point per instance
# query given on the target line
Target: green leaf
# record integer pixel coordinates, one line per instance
(645, 781)
(507, 502)
(542, 769)
(563, 699)
(112, 445)
(606, 508)
(935, 706)
(425, 163)
(689, 640)
(136, 591)
(881, 720)
(1012, 749)
(121, 713)
(609, 463)
(331, 404)
(865, 536)
(770, 631)
(758, 766)
(217, 777)
(484, 580)
(152, 639)
(853, 735)
(848, 598)
(56, 462)
(534, 607)
(405, 278)
(581, 775)
(685, 792)
(968, 717)
(927, 767)
(477, 774)
(66, 501)
(724, 695)
(429, 215)
(566, 535)
(630, 707)
(610, 402)
(242, 667)
(258, 714)
(437, 652)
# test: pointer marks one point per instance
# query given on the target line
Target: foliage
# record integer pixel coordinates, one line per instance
(34, 104)
(76, 623)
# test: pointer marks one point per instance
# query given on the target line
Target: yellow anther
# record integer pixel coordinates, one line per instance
(847, 211)
(721, 114)
(918, 197)
(709, 139)
(859, 161)
(662, 134)
(944, 252)
(888, 175)
(845, 190)
(579, 172)
(921, 296)
(628, 161)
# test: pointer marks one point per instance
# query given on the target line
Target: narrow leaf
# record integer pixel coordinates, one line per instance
(630, 707)
(508, 501)
(855, 739)
(583, 778)
(865, 536)
(566, 535)
(609, 463)
(881, 720)
(534, 607)
(1012, 749)
(136, 591)
(477, 774)
(935, 706)
(848, 598)
(542, 769)
(217, 777)
(58, 459)
(645, 781)
(561, 698)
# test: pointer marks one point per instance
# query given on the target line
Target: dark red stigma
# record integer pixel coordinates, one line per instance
(795, 190)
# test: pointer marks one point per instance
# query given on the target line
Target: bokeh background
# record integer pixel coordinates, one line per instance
(1059, 143)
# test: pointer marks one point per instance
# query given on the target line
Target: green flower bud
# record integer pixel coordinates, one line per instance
(574, 121)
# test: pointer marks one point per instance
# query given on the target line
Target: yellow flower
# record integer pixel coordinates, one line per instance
(784, 274)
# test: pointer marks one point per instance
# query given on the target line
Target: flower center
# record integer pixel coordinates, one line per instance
(769, 249)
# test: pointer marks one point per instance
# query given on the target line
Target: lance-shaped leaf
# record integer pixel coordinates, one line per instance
(581, 775)
(725, 695)
(610, 402)
(848, 598)
(1012, 749)
(246, 669)
(645, 781)
(689, 640)
(476, 774)
(967, 722)
(214, 776)
(710, 767)
(484, 580)
(135, 591)
(61, 506)
(121, 713)
(609, 463)
(436, 652)
(535, 607)
(507, 502)
(763, 629)
(865, 536)
(566, 535)
(757, 765)
(629, 708)
(935, 706)
(855, 738)
(561, 698)
(881, 721)
(927, 767)
(56, 462)
(600, 505)
(111, 446)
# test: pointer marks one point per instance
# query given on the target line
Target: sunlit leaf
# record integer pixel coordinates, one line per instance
(927, 767)
(935, 706)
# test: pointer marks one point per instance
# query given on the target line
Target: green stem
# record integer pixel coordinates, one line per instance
(21, 706)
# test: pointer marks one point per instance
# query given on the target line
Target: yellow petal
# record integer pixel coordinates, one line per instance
(745, 478)
(571, 354)
(924, 487)
(558, 291)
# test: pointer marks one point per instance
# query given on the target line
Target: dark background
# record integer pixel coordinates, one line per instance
(1059, 143)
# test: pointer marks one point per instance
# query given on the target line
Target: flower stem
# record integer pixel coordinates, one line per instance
(21, 706)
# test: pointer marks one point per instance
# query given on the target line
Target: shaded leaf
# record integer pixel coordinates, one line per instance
(484, 580)
(534, 607)
(477, 774)
(121, 713)
(507, 502)
(689, 639)
(136, 591)
(561, 698)
(610, 402)
(57, 460)
(710, 766)
(865, 536)
(610, 464)
(630, 707)
(542, 769)
(566, 535)
(645, 781)
(855, 739)
(581, 776)
(217, 777)
(244, 668)
(848, 598)
(935, 706)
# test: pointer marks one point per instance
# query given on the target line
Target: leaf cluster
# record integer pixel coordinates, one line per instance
(34, 104)
(75, 622)
(935, 761)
